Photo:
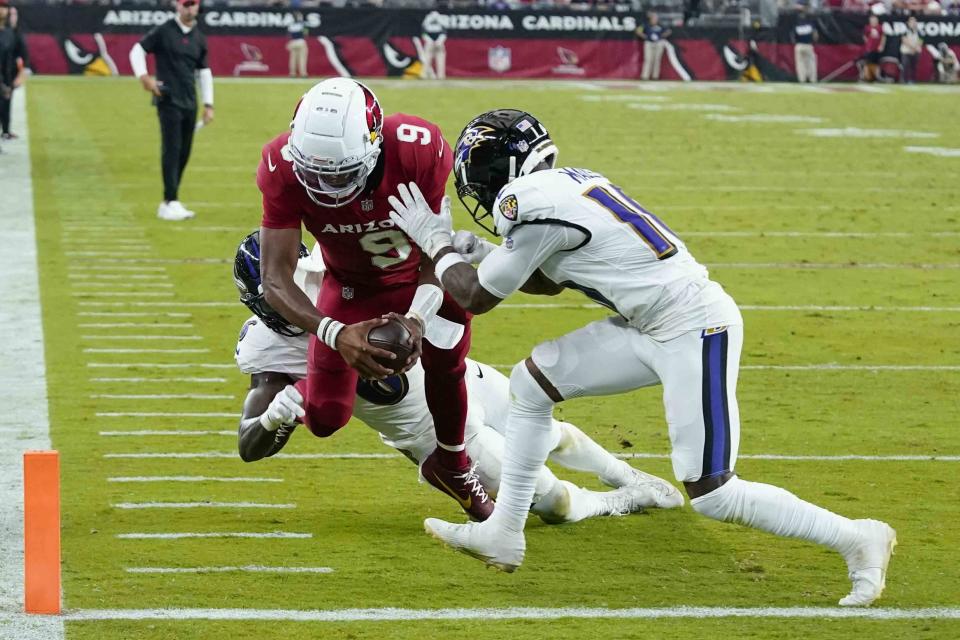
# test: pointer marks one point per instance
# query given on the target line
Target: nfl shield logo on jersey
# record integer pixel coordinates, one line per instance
(499, 59)
(509, 207)
(347, 293)
(366, 205)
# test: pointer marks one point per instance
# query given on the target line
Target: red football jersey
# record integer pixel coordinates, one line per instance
(360, 243)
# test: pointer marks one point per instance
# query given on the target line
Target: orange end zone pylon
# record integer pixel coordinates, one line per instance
(41, 531)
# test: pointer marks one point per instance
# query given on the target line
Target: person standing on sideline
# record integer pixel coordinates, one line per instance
(947, 64)
(874, 42)
(654, 42)
(804, 35)
(13, 61)
(911, 44)
(297, 46)
(434, 37)
(180, 50)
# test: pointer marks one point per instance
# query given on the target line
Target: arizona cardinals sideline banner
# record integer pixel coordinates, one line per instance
(95, 40)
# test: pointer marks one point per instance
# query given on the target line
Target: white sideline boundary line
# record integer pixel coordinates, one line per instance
(623, 456)
(829, 366)
(515, 613)
(25, 424)
(279, 535)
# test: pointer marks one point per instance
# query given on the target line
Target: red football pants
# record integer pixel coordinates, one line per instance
(331, 383)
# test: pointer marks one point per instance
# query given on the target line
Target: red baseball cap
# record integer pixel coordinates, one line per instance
(182, 3)
(4, 3)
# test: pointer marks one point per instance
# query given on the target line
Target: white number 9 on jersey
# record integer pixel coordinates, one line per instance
(413, 133)
(380, 243)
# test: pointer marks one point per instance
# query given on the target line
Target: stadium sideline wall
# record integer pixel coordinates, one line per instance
(95, 40)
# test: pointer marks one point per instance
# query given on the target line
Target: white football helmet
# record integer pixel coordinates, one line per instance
(335, 140)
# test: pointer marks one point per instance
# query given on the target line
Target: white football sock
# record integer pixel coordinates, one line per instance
(529, 438)
(577, 451)
(777, 511)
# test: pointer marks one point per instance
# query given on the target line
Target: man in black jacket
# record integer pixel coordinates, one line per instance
(180, 51)
(13, 57)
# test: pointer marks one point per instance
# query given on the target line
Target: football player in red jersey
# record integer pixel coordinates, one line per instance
(332, 173)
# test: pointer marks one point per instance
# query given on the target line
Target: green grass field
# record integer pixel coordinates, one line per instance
(833, 245)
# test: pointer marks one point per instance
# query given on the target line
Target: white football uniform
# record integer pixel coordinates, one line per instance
(397, 409)
(675, 326)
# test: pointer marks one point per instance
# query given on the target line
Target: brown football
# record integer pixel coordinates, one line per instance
(391, 337)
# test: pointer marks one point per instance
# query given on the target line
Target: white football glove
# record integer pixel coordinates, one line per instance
(285, 408)
(414, 217)
(472, 247)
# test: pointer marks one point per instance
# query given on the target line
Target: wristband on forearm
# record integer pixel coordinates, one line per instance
(446, 262)
(328, 330)
(426, 302)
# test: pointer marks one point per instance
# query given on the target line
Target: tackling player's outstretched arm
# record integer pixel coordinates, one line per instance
(267, 407)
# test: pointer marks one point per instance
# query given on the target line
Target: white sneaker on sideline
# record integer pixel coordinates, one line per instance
(179, 206)
(664, 495)
(167, 211)
(867, 563)
(494, 547)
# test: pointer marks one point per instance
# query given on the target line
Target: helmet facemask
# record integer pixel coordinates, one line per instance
(246, 275)
(493, 150)
(335, 140)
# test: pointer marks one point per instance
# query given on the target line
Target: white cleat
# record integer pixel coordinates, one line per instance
(868, 563)
(496, 548)
(625, 500)
(663, 494)
(173, 210)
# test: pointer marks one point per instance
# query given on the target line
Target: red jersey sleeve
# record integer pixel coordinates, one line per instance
(280, 209)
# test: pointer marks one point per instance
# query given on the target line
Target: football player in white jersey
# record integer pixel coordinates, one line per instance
(572, 228)
(274, 353)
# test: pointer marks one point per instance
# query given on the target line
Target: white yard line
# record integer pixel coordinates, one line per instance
(823, 367)
(753, 307)
(161, 432)
(139, 337)
(247, 569)
(233, 455)
(123, 294)
(279, 535)
(164, 396)
(164, 414)
(832, 265)
(512, 613)
(138, 479)
(161, 365)
(626, 456)
(96, 350)
(156, 304)
(203, 505)
(25, 422)
(80, 268)
(158, 380)
(132, 314)
(135, 325)
(115, 276)
(815, 234)
(840, 458)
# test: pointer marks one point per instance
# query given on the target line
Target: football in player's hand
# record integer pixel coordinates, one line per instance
(394, 337)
